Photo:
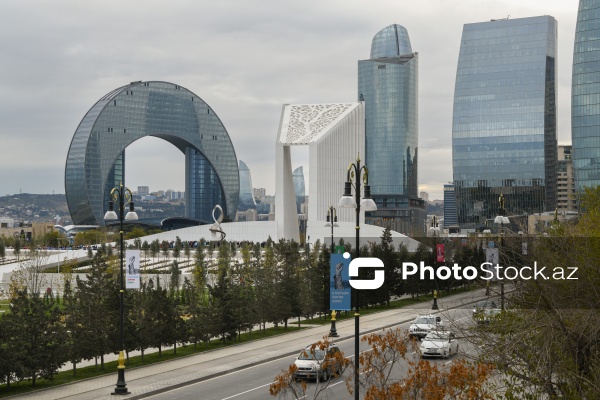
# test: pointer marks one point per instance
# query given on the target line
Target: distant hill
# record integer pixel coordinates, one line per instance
(57, 202)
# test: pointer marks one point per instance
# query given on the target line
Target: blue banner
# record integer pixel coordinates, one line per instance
(339, 289)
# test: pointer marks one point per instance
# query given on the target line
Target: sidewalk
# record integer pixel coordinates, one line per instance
(145, 381)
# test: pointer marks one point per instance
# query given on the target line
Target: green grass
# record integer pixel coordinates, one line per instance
(64, 377)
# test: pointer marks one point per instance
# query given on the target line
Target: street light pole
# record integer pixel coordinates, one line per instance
(501, 219)
(434, 231)
(124, 196)
(331, 222)
(354, 172)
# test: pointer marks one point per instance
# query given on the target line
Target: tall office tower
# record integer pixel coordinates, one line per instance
(299, 188)
(565, 187)
(585, 96)
(246, 193)
(504, 122)
(450, 216)
(388, 84)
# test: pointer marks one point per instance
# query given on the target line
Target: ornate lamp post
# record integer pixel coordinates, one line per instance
(501, 219)
(124, 196)
(331, 222)
(353, 179)
(435, 230)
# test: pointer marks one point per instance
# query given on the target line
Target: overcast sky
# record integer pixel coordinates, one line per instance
(244, 58)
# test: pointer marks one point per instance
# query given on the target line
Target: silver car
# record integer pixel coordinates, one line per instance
(317, 363)
(439, 344)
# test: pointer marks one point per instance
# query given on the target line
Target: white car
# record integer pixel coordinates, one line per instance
(485, 311)
(317, 363)
(439, 344)
(424, 324)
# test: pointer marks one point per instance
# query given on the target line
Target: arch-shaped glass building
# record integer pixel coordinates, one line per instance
(96, 158)
(585, 96)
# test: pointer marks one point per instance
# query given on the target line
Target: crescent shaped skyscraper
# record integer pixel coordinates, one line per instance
(96, 158)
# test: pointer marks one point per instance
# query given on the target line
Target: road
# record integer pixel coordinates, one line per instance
(253, 383)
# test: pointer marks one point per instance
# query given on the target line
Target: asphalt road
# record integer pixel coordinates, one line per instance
(253, 383)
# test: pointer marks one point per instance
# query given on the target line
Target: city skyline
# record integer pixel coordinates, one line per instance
(245, 61)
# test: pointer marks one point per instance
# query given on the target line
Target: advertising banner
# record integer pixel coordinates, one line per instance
(132, 269)
(439, 251)
(340, 292)
(491, 258)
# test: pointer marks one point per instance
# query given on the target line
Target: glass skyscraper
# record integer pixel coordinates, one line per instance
(96, 158)
(504, 121)
(450, 216)
(246, 190)
(388, 84)
(299, 188)
(585, 96)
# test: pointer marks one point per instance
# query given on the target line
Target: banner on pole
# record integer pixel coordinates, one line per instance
(491, 258)
(132, 273)
(340, 292)
(439, 251)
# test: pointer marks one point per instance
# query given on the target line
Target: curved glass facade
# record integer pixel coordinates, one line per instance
(96, 159)
(391, 41)
(388, 84)
(504, 121)
(585, 96)
(299, 188)
(246, 192)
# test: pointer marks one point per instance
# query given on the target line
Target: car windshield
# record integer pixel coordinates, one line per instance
(315, 354)
(437, 336)
(485, 304)
(425, 320)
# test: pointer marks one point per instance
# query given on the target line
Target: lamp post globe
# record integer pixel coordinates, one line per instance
(123, 197)
(355, 174)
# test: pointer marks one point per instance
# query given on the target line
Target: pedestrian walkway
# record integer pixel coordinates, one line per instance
(152, 379)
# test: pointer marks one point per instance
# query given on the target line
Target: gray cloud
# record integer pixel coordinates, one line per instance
(244, 58)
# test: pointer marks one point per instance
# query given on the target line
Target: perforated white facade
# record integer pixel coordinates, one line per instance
(335, 134)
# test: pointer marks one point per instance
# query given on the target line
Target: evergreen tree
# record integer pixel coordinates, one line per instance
(97, 295)
(41, 336)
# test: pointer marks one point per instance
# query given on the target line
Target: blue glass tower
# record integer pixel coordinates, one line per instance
(504, 122)
(299, 188)
(388, 84)
(246, 193)
(585, 96)
(450, 216)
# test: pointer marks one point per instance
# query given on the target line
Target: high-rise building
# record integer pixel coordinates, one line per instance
(450, 216)
(388, 84)
(504, 122)
(143, 190)
(246, 192)
(96, 158)
(585, 96)
(565, 184)
(299, 188)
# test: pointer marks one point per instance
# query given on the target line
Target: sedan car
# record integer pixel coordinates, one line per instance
(424, 324)
(439, 344)
(317, 363)
(484, 311)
